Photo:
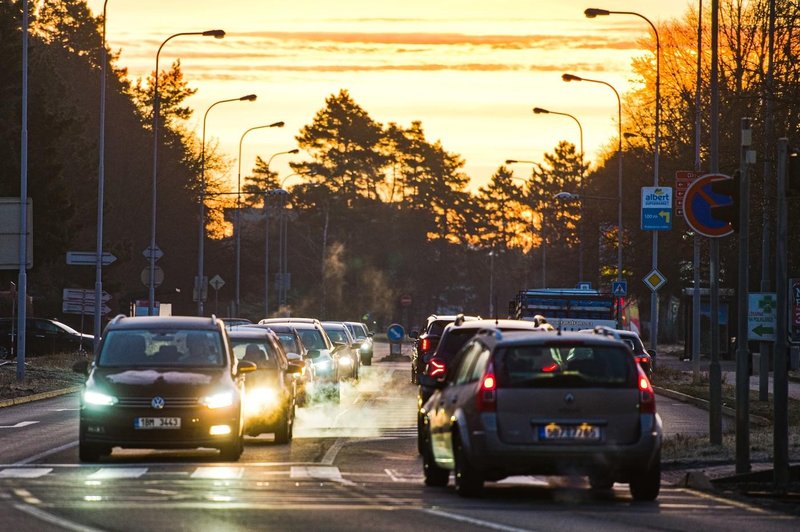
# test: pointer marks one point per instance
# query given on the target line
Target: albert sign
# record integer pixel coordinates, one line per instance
(656, 208)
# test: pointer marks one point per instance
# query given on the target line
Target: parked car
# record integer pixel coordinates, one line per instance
(323, 353)
(361, 333)
(644, 357)
(162, 382)
(544, 403)
(349, 358)
(427, 339)
(43, 336)
(293, 345)
(270, 391)
(453, 338)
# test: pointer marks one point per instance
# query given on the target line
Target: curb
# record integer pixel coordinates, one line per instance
(39, 396)
(702, 403)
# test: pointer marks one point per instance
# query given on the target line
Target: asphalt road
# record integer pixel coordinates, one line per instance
(350, 467)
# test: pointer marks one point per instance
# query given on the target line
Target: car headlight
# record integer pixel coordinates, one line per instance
(261, 397)
(218, 400)
(345, 360)
(98, 399)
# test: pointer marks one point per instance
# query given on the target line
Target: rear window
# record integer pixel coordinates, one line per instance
(563, 366)
(162, 347)
(438, 326)
(452, 343)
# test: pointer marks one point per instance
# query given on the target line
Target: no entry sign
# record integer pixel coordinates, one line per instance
(697, 205)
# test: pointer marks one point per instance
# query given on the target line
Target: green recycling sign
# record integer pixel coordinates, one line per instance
(761, 316)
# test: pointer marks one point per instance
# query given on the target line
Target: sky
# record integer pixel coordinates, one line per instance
(470, 70)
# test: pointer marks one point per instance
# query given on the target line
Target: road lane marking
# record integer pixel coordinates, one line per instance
(25, 472)
(47, 453)
(26, 496)
(330, 455)
(19, 425)
(57, 521)
(316, 473)
(729, 502)
(473, 521)
(110, 473)
(218, 473)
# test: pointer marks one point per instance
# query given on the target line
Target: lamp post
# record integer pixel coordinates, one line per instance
(538, 111)
(101, 179)
(266, 232)
(592, 13)
(544, 234)
(571, 77)
(238, 212)
(217, 34)
(199, 283)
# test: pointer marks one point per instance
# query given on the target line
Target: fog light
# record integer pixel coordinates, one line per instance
(219, 430)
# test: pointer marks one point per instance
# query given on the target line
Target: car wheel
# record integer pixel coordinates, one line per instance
(435, 476)
(469, 482)
(232, 451)
(646, 485)
(601, 482)
(368, 361)
(284, 431)
(421, 445)
(88, 452)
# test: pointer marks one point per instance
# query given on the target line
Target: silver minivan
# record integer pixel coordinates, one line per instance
(544, 403)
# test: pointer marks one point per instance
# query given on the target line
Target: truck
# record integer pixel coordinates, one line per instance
(567, 309)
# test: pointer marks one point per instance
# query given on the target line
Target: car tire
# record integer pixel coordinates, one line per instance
(645, 486)
(469, 482)
(435, 476)
(368, 360)
(232, 451)
(283, 434)
(90, 452)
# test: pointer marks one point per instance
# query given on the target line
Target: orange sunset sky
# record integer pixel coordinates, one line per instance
(470, 70)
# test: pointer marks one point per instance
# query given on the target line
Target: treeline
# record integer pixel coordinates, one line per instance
(381, 210)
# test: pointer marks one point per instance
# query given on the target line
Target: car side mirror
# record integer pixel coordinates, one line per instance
(81, 366)
(413, 334)
(293, 357)
(245, 366)
(651, 352)
(370, 334)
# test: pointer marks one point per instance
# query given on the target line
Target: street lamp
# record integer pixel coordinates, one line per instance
(539, 111)
(572, 77)
(544, 233)
(101, 180)
(238, 210)
(266, 233)
(200, 284)
(592, 13)
(217, 34)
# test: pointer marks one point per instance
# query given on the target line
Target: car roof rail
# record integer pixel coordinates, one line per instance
(118, 317)
(215, 320)
(459, 319)
(606, 331)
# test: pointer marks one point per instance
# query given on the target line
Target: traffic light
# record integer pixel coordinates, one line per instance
(727, 197)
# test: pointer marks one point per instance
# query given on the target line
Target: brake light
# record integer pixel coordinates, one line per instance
(486, 400)
(647, 398)
(642, 359)
(437, 368)
(424, 344)
(550, 368)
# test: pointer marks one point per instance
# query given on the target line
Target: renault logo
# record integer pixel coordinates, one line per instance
(569, 399)
(157, 402)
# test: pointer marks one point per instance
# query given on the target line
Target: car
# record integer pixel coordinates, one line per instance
(426, 339)
(270, 391)
(164, 382)
(235, 322)
(294, 347)
(43, 336)
(645, 357)
(361, 333)
(453, 338)
(349, 357)
(544, 403)
(324, 355)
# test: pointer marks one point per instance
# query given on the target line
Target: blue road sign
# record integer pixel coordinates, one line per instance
(584, 286)
(395, 333)
(697, 205)
(619, 288)
(656, 208)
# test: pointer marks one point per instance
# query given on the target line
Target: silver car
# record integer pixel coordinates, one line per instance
(544, 403)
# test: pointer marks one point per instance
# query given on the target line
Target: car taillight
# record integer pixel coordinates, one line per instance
(647, 398)
(424, 344)
(642, 359)
(486, 400)
(437, 369)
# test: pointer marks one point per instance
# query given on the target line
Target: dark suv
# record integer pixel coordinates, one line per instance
(163, 382)
(427, 339)
(43, 337)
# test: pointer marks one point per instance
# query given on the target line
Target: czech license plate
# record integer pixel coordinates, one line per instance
(157, 423)
(560, 432)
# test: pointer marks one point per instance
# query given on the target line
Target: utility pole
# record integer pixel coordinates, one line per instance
(780, 383)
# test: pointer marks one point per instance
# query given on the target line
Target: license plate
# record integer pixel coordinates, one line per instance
(582, 432)
(157, 423)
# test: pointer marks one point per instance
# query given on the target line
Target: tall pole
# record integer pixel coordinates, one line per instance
(698, 126)
(267, 195)
(154, 185)
(101, 179)
(714, 370)
(780, 382)
(200, 284)
(22, 277)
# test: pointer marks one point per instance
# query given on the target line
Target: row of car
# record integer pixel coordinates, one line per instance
(184, 382)
(499, 398)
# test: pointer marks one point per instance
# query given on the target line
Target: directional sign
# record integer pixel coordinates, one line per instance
(697, 207)
(655, 280)
(762, 312)
(619, 288)
(216, 282)
(79, 294)
(794, 305)
(395, 333)
(88, 258)
(683, 179)
(656, 208)
(76, 307)
(584, 286)
(158, 253)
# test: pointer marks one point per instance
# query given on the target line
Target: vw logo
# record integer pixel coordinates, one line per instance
(569, 399)
(157, 402)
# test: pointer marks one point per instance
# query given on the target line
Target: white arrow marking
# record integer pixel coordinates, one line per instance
(19, 425)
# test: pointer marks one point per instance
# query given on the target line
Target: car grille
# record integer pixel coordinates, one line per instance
(169, 402)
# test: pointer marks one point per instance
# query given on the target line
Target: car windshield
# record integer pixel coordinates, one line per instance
(257, 351)
(162, 347)
(337, 335)
(312, 339)
(289, 342)
(558, 366)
